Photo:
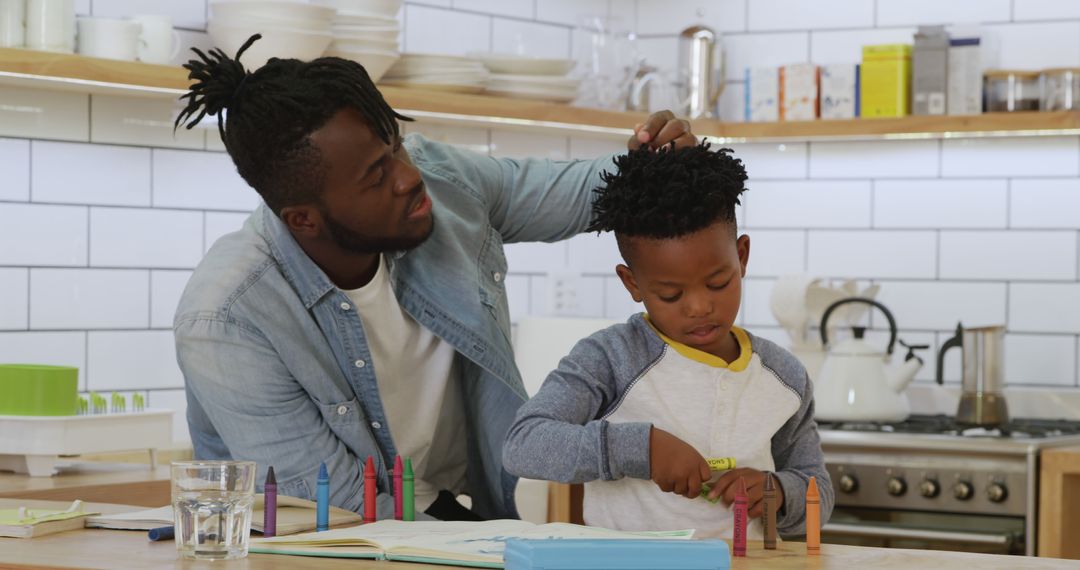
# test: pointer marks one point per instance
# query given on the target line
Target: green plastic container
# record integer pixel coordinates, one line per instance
(38, 390)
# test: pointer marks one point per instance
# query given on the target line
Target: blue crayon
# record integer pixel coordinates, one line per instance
(322, 517)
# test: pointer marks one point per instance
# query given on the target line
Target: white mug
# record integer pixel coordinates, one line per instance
(158, 42)
(108, 38)
(12, 23)
(50, 25)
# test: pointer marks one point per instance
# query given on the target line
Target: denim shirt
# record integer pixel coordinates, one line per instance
(275, 361)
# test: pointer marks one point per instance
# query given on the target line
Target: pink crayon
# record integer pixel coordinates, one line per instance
(742, 506)
(398, 491)
(369, 491)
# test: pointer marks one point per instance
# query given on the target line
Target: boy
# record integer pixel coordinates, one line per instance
(652, 398)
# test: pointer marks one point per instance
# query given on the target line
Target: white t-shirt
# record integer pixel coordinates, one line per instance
(722, 409)
(418, 385)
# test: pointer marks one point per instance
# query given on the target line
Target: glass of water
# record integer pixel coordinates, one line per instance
(212, 508)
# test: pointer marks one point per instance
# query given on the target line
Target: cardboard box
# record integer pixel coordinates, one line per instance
(762, 94)
(799, 92)
(885, 81)
(965, 83)
(929, 62)
(839, 91)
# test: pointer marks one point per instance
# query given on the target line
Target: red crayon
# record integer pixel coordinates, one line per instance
(369, 490)
(398, 492)
(742, 506)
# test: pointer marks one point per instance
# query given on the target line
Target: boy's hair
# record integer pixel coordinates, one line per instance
(273, 111)
(668, 193)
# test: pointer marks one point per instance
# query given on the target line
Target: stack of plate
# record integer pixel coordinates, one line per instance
(289, 29)
(440, 72)
(529, 78)
(366, 31)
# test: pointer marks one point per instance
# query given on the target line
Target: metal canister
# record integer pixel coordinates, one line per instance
(701, 69)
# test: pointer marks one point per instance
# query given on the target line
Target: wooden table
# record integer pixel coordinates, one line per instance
(121, 483)
(122, 550)
(1059, 503)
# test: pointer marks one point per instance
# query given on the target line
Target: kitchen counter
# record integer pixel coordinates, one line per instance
(1059, 502)
(122, 483)
(121, 550)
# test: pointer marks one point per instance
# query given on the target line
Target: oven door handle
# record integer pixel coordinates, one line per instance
(872, 531)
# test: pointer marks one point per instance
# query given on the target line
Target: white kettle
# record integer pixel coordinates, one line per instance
(855, 383)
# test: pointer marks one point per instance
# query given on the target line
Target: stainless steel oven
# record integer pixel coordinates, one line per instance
(928, 483)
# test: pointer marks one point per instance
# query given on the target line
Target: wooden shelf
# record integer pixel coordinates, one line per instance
(42, 70)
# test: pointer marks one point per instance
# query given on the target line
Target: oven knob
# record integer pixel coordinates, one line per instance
(929, 488)
(896, 486)
(997, 492)
(963, 490)
(848, 483)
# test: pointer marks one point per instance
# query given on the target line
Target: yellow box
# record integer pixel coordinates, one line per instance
(885, 81)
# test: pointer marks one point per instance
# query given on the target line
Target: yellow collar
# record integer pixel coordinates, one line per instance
(738, 365)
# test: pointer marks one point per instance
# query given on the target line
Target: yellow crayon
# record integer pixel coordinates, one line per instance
(721, 463)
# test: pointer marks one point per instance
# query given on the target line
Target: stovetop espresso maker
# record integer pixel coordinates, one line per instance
(982, 401)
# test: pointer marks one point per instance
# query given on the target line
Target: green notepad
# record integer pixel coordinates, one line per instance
(477, 544)
(28, 523)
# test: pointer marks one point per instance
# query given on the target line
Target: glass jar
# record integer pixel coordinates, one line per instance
(1011, 91)
(1060, 89)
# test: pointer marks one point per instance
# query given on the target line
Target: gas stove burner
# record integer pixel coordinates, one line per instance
(946, 425)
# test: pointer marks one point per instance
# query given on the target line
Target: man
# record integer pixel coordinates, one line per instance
(361, 310)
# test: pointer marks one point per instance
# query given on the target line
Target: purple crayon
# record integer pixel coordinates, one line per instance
(270, 504)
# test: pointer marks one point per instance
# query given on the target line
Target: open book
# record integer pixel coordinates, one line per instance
(293, 515)
(479, 544)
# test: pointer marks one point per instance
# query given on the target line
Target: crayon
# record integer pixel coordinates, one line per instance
(270, 504)
(322, 495)
(407, 498)
(161, 533)
(768, 513)
(721, 463)
(369, 491)
(813, 518)
(741, 506)
(398, 490)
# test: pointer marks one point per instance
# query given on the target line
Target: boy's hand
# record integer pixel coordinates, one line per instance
(726, 486)
(676, 467)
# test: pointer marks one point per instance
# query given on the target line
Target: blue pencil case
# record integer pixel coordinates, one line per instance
(616, 554)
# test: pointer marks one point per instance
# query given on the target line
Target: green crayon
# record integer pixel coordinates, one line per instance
(408, 504)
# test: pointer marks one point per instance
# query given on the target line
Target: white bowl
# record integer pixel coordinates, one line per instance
(362, 44)
(288, 11)
(281, 43)
(238, 21)
(388, 35)
(518, 65)
(353, 19)
(387, 8)
(375, 62)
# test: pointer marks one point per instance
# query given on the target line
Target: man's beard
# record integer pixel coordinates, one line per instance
(357, 242)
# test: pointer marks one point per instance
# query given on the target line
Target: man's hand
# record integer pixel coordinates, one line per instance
(660, 129)
(726, 487)
(676, 467)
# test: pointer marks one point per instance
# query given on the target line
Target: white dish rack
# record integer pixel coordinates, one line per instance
(32, 444)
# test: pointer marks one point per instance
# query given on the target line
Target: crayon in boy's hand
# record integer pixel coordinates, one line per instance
(721, 463)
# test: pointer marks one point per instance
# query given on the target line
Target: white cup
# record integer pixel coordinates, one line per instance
(158, 42)
(12, 23)
(50, 25)
(108, 38)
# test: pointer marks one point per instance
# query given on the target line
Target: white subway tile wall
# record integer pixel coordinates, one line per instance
(15, 164)
(101, 232)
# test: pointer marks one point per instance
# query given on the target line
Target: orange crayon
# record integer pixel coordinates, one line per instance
(813, 518)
